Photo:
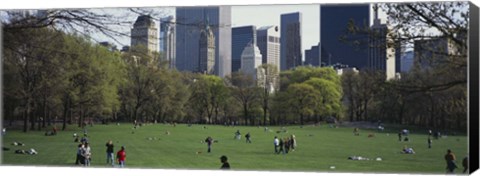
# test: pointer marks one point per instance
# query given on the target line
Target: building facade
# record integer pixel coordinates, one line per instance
(167, 40)
(144, 32)
(334, 20)
(189, 22)
(312, 56)
(206, 52)
(430, 52)
(241, 37)
(268, 41)
(290, 41)
(381, 51)
(251, 59)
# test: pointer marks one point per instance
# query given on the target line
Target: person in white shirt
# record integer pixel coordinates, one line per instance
(276, 143)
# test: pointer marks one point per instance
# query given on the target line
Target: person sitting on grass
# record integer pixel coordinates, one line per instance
(225, 164)
(408, 150)
(355, 132)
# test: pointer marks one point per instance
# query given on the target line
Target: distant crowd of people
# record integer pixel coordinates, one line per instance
(284, 145)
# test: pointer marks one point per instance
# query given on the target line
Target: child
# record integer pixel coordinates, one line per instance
(121, 156)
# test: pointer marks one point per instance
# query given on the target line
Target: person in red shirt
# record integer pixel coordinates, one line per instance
(121, 155)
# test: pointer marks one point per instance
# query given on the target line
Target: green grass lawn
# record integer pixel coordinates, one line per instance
(318, 148)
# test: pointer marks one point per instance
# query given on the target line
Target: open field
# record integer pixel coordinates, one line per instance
(318, 149)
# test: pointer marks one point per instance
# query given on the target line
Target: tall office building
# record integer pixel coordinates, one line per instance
(268, 41)
(406, 62)
(241, 37)
(167, 40)
(400, 49)
(144, 32)
(206, 58)
(251, 59)
(381, 51)
(290, 40)
(312, 56)
(188, 28)
(334, 20)
(431, 52)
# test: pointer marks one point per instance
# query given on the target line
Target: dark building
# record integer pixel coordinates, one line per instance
(312, 56)
(290, 40)
(189, 25)
(241, 37)
(334, 20)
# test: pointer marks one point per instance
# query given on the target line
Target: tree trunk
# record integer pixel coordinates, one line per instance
(301, 119)
(245, 113)
(66, 107)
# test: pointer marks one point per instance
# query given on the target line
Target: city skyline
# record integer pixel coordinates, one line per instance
(265, 15)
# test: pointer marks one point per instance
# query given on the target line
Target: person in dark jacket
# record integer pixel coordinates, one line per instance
(110, 157)
(225, 164)
(450, 158)
(247, 137)
(209, 142)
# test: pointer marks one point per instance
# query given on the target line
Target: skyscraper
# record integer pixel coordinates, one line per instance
(312, 56)
(188, 28)
(241, 37)
(268, 41)
(144, 32)
(251, 59)
(381, 51)
(167, 40)
(290, 40)
(334, 20)
(206, 51)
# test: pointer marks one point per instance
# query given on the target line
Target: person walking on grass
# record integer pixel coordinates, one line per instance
(79, 160)
(121, 156)
(209, 142)
(247, 137)
(87, 154)
(281, 147)
(225, 164)
(450, 159)
(465, 164)
(429, 141)
(110, 157)
(276, 144)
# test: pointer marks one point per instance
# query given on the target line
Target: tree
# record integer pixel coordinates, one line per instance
(329, 96)
(268, 78)
(302, 99)
(245, 91)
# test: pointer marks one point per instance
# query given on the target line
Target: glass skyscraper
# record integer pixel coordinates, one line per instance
(334, 20)
(290, 40)
(241, 37)
(190, 21)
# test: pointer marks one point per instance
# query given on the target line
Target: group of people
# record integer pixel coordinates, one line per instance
(121, 154)
(284, 145)
(84, 153)
(238, 136)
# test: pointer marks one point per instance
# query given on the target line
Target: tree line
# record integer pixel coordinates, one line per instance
(60, 76)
